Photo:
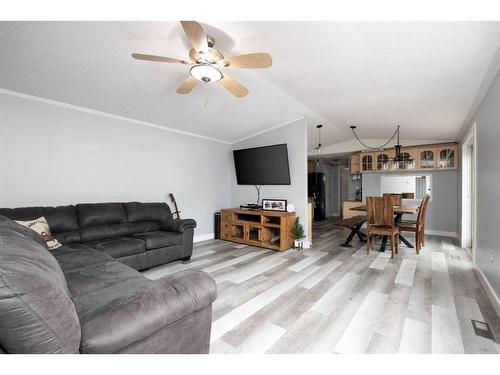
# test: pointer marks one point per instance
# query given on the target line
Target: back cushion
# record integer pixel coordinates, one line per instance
(63, 223)
(146, 217)
(22, 213)
(36, 311)
(30, 233)
(62, 220)
(100, 221)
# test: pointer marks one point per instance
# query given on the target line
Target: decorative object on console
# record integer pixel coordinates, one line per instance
(290, 207)
(274, 205)
(298, 233)
(41, 227)
(206, 62)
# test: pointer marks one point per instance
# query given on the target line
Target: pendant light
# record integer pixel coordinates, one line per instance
(397, 147)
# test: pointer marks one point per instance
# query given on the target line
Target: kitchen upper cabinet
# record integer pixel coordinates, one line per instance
(427, 158)
(384, 160)
(366, 162)
(447, 156)
(355, 167)
(409, 159)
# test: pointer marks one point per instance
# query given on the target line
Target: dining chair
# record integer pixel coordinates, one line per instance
(417, 226)
(380, 221)
(398, 198)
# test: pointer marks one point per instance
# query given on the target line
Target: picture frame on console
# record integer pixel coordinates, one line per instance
(274, 205)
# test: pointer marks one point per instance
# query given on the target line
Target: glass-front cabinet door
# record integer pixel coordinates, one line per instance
(447, 156)
(409, 159)
(383, 160)
(426, 158)
(366, 162)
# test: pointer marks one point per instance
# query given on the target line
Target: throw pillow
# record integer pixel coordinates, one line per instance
(41, 226)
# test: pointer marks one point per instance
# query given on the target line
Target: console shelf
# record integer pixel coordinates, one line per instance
(269, 229)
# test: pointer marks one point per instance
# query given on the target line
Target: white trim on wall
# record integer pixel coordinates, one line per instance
(203, 237)
(490, 292)
(469, 140)
(106, 114)
(442, 233)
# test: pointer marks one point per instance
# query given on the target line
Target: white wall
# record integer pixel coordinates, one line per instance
(295, 136)
(442, 213)
(487, 120)
(51, 155)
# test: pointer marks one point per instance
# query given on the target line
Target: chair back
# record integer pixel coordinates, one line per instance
(423, 209)
(398, 198)
(380, 210)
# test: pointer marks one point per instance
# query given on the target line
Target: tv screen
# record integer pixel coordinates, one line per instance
(266, 165)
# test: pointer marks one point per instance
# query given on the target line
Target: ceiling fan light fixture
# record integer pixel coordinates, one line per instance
(206, 73)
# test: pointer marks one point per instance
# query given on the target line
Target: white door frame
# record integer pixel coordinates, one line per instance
(469, 178)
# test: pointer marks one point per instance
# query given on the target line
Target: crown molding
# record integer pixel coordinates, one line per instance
(269, 129)
(106, 114)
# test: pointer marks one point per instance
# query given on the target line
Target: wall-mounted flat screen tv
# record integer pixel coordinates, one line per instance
(267, 165)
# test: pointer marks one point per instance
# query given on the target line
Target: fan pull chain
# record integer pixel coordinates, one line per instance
(206, 96)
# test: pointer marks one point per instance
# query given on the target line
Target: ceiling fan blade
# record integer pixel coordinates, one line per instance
(140, 56)
(248, 61)
(236, 88)
(196, 35)
(188, 85)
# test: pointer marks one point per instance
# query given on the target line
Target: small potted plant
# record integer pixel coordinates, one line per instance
(298, 233)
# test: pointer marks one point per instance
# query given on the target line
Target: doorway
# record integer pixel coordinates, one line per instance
(468, 237)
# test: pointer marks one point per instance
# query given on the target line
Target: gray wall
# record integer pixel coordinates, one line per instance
(294, 135)
(487, 120)
(50, 155)
(443, 209)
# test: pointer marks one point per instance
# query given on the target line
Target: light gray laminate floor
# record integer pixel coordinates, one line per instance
(330, 299)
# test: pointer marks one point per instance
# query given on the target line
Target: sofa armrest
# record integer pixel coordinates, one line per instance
(178, 225)
(186, 292)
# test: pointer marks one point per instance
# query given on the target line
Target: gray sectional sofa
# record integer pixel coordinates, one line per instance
(87, 297)
(140, 235)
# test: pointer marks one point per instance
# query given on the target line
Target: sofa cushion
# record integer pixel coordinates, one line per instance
(8, 223)
(74, 256)
(22, 213)
(157, 239)
(37, 314)
(146, 217)
(91, 214)
(119, 247)
(118, 306)
(137, 211)
(62, 220)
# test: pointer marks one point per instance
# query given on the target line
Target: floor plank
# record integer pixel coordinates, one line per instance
(330, 299)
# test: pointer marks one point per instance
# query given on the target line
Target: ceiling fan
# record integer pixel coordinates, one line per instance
(206, 62)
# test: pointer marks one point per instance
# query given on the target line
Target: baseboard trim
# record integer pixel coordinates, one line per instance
(442, 233)
(203, 237)
(490, 292)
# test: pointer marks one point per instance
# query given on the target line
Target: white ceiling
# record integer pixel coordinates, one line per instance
(423, 75)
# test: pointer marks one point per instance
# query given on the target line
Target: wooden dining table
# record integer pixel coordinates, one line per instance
(399, 211)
